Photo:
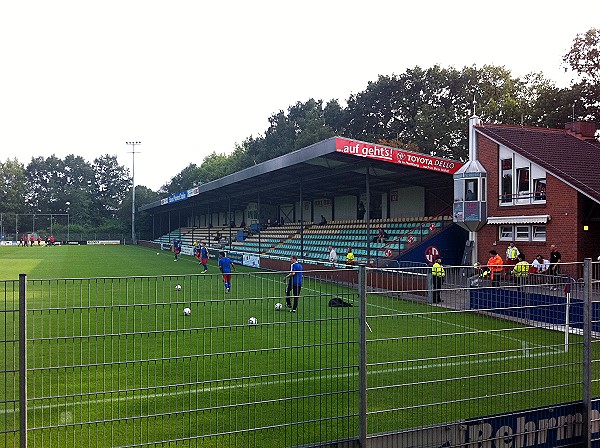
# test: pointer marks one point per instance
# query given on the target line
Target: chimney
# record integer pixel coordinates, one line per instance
(585, 130)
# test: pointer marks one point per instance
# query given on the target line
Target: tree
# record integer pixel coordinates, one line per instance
(584, 59)
(584, 56)
(143, 220)
(111, 185)
(184, 180)
(45, 192)
(12, 186)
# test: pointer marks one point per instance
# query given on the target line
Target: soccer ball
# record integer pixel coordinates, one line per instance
(157, 253)
(187, 311)
(278, 306)
(177, 287)
(252, 321)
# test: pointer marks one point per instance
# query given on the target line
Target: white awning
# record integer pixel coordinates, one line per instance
(532, 219)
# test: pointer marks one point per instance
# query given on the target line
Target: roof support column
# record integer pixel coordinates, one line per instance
(193, 223)
(179, 223)
(259, 224)
(153, 219)
(208, 221)
(229, 216)
(301, 223)
(368, 212)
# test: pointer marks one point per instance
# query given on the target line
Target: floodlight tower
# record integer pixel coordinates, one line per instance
(133, 153)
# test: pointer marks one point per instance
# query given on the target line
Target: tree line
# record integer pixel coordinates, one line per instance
(422, 110)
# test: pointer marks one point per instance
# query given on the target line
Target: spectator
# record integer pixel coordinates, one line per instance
(540, 265)
(512, 253)
(438, 275)
(521, 271)
(333, 258)
(323, 220)
(381, 236)
(361, 210)
(350, 258)
(495, 267)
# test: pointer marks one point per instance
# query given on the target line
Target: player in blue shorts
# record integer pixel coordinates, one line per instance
(226, 266)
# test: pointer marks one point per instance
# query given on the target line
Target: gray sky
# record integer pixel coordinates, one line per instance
(187, 78)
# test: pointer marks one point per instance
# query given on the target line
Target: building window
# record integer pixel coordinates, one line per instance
(506, 233)
(471, 190)
(507, 182)
(522, 232)
(538, 233)
(539, 189)
(521, 182)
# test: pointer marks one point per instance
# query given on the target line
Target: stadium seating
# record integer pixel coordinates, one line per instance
(285, 241)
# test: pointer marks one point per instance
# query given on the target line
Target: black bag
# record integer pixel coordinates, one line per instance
(336, 302)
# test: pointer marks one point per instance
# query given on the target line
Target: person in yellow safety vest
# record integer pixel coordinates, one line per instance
(350, 258)
(521, 270)
(512, 253)
(438, 275)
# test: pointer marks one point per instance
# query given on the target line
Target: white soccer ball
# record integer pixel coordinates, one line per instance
(252, 321)
(278, 306)
(157, 253)
(187, 311)
(177, 287)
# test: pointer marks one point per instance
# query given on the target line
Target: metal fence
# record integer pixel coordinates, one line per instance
(366, 360)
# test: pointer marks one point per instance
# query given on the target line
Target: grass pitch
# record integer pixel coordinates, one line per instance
(112, 360)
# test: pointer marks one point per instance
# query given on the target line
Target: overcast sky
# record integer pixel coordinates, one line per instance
(190, 77)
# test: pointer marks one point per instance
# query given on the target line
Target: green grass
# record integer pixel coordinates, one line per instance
(113, 361)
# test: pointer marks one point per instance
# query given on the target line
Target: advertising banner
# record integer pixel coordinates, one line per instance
(555, 426)
(251, 260)
(394, 155)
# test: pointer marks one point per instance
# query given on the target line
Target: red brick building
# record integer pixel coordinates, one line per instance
(543, 188)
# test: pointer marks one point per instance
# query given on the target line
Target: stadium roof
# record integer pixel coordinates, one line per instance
(332, 167)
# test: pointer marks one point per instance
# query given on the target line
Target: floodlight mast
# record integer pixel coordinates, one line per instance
(133, 153)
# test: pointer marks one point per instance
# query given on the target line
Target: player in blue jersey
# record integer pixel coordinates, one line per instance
(204, 256)
(226, 266)
(176, 248)
(197, 252)
(295, 284)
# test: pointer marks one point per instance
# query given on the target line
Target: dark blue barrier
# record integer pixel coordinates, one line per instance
(537, 307)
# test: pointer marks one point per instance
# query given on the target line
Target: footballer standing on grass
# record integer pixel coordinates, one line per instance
(295, 281)
(226, 266)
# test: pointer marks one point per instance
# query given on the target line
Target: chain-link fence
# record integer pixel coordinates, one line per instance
(366, 360)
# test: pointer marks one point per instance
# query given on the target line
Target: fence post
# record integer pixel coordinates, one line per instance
(429, 274)
(587, 352)
(362, 355)
(22, 360)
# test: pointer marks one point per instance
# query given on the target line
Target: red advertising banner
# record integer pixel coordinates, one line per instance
(393, 155)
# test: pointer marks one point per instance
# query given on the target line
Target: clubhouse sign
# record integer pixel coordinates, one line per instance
(393, 155)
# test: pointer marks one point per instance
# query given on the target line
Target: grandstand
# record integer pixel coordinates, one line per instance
(311, 241)
(358, 187)
(189, 235)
